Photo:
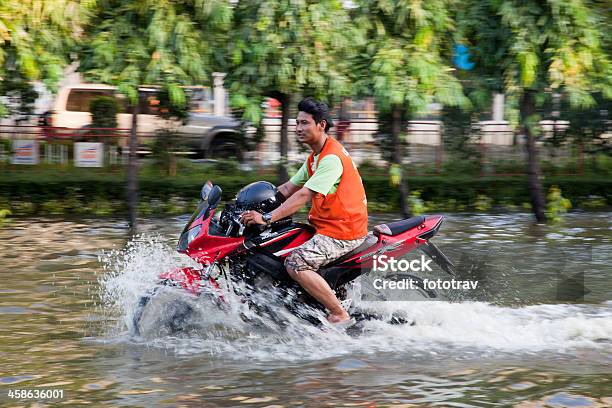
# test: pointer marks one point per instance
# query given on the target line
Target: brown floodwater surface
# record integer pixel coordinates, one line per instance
(68, 287)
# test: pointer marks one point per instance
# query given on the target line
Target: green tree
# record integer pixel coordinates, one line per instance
(17, 91)
(603, 14)
(588, 127)
(36, 38)
(533, 48)
(164, 43)
(404, 64)
(104, 111)
(281, 48)
(167, 140)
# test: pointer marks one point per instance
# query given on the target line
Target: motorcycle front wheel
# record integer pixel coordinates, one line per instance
(162, 311)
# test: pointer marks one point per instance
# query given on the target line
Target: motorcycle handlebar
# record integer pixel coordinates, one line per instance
(242, 226)
(235, 221)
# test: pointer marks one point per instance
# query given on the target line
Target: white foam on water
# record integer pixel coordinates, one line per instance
(440, 326)
(481, 325)
(131, 272)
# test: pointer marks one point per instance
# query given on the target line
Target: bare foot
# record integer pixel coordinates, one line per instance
(338, 318)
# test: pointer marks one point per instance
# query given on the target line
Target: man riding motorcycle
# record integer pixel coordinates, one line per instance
(330, 180)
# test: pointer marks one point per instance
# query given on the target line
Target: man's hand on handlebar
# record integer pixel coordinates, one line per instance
(251, 218)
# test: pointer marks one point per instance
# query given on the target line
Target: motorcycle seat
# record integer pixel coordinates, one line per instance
(397, 227)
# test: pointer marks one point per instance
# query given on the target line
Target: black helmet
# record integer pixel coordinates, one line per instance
(260, 196)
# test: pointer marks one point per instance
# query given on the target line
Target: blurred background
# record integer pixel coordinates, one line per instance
(444, 105)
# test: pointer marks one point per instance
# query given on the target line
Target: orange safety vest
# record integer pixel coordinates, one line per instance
(343, 214)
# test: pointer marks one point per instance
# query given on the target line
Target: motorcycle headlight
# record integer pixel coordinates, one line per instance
(193, 233)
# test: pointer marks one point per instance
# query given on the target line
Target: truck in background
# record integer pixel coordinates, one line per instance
(205, 131)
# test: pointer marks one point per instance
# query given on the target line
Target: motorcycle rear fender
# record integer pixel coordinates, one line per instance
(407, 241)
(419, 237)
(412, 238)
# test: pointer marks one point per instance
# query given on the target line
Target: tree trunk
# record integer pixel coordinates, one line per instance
(536, 194)
(285, 100)
(132, 176)
(172, 165)
(397, 156)
(581, 157)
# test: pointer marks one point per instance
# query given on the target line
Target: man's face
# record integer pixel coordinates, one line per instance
(307, 130)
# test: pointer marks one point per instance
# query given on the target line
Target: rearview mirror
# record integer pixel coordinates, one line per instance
(214, 196)
(206, 189)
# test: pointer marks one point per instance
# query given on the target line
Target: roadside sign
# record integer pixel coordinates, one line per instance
(25, 152)
(88, 154)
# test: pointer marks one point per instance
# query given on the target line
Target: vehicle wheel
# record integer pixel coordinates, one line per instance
(163, 311)
(225, 149)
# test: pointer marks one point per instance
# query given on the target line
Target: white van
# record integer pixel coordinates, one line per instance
(204, 132)
(71, 107)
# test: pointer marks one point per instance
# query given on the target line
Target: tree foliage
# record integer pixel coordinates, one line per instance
(544, 47)
(167, 43)
(406, 58)
(154, 42)
(36, 38)
(404, 67)
(289, 47)
(18, 94)
(553, 45)
(590, 124)
(104, 111)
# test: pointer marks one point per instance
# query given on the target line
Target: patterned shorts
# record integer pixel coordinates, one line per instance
(318, 251)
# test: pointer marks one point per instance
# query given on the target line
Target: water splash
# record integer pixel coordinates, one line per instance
(132, 271)
(238, 332)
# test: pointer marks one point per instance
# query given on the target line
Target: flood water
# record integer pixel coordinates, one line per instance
(69, 285)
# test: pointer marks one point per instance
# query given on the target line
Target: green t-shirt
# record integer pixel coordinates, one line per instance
(325, 179)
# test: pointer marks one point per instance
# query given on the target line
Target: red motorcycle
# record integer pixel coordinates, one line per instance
(246, 260)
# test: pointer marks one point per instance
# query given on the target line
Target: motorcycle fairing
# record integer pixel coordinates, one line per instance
(192, 280)
(283, 240)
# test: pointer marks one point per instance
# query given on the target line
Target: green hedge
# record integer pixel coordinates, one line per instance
(89, 192)
(104, 194)
(499, 189)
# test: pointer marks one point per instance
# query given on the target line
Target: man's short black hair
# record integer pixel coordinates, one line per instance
(318, 110)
